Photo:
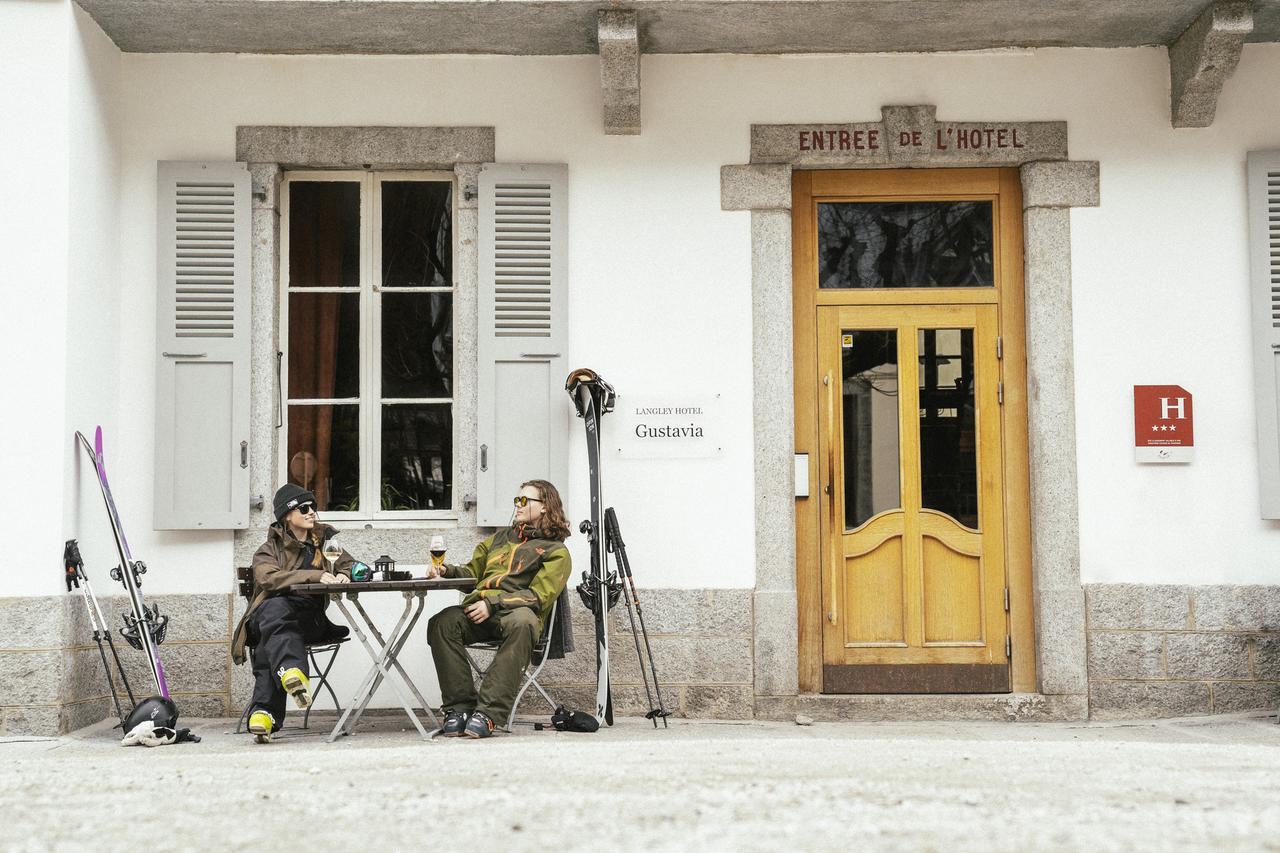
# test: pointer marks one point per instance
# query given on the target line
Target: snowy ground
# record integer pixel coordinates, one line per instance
(1193, 784)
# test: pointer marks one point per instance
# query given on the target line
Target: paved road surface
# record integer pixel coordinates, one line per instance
(1195, 784)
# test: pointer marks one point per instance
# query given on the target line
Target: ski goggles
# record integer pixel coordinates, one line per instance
(523, 500)
(306, 508)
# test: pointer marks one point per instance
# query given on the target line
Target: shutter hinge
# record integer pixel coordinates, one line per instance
(1008, 646)
(1000, 393)
(999, 346)
(1006, 599)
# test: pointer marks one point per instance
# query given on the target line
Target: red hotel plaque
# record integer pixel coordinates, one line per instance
(1162, 424)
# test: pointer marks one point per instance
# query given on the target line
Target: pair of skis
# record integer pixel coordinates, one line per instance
(601, 589)
(153, 721)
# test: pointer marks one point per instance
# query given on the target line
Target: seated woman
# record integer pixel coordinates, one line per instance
(278, 624)
(520, 572)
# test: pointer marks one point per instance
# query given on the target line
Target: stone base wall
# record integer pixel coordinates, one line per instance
(702, 646)
(51, 673)
(1175, 651)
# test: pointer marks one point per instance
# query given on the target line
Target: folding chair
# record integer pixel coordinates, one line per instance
(317, 672)
(542, 651)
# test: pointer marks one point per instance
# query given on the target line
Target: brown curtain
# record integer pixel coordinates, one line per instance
(315, 259)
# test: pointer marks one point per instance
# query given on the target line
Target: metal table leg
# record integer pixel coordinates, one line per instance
(384, 657)
(392, 646)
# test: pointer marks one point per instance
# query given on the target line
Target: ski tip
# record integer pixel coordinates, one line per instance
(97, 440)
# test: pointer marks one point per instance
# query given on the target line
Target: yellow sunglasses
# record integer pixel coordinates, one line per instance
(523, 500)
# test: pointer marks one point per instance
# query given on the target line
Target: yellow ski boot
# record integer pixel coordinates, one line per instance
(297, 685)
(260, 725)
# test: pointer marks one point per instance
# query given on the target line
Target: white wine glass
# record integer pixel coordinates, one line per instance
(331, 551)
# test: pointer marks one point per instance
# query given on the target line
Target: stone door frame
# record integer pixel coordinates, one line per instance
(1051, 185)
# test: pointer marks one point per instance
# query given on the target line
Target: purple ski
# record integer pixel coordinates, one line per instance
(144, 628)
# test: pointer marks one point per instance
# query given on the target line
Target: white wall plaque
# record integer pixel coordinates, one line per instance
(653, 426)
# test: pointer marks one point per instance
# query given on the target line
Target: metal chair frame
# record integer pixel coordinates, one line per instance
(541, 652)
(320, 680)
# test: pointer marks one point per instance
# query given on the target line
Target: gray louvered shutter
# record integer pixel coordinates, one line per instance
(1264, 252)
(524, 412)
(202, 340)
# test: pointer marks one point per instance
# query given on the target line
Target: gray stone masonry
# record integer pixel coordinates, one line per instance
(51, 674)
(702, 651)
(1203, 57)
(1175, 651)
(619, 71)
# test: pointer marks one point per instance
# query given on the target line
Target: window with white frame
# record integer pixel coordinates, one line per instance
(366, 328)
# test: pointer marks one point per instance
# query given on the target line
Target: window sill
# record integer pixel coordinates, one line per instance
(444, 521)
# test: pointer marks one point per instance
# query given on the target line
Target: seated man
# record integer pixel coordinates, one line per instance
(278, 624)
(520, 572)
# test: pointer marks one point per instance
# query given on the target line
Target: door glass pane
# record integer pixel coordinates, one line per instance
(417, 457)
(324, 454)
(324, 234)
(417, 345)
(417, 234)
(324, 346)
(905, 244)
(869, 391)
(948, 442)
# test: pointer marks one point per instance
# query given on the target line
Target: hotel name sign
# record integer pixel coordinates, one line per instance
(909, 134)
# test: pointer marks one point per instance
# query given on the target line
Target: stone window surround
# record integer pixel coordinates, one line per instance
(1049, 189)
(269, 151)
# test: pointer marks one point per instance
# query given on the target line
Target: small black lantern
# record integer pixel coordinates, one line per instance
(385, 567)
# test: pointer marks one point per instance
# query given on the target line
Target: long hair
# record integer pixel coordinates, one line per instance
(554, 524)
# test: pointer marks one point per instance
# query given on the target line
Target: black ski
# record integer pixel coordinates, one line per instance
(593, 398)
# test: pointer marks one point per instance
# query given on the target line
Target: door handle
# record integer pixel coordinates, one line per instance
(539, 355)
(244, 454)
(830, 487)
(184, 354)
(484, 457)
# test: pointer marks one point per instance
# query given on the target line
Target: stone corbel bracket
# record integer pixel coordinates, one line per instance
(620, 71)
(1203, 57)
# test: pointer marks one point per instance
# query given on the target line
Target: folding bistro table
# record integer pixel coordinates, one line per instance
(383, 651)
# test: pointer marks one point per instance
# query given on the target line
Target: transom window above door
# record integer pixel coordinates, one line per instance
(908, 243)
(366, 328)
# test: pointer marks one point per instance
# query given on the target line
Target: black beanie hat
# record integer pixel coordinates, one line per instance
(288, 497)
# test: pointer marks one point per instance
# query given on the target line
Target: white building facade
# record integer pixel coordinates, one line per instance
(979, 543)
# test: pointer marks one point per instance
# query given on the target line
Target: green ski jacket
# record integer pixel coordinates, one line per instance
(517, 567)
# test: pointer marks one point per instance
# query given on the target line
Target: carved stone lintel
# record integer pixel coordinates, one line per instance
(1203, 57)
(620, 72)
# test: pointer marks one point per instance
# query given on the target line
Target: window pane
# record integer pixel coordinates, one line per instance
(905, 244)
(324, 454)
(324, 345)
(948, 449)
(417, 234)
(324, 234)
(417, 457)
(417, 345)
(870, 396)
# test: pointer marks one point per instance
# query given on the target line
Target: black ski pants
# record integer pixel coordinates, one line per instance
(280, 628)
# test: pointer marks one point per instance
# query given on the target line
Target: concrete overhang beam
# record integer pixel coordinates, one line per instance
(569, 27)
(1203, 57)
(619, 39)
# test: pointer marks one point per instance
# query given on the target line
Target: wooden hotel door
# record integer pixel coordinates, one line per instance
(912, 548)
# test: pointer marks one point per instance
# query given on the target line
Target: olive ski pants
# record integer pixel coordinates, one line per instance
(450, 629)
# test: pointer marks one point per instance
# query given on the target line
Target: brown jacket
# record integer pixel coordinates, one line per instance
(279, 564)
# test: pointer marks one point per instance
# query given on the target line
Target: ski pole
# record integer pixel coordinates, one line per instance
(624, 567)
(75, 576)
